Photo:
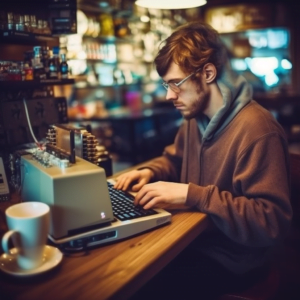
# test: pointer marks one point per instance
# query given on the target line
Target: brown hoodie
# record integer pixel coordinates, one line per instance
(239, 176)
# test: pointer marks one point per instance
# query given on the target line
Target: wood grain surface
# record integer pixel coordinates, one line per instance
(114, 271)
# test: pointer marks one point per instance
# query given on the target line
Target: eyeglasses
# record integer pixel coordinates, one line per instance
(175, 86)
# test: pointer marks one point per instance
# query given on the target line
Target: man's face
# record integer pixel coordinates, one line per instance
(193, 97)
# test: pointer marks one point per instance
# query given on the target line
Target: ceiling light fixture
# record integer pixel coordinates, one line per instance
(170, 4)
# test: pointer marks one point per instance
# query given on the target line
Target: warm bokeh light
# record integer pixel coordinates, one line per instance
(170, 4)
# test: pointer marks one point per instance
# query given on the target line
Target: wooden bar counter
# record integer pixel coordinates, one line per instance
(114, 271)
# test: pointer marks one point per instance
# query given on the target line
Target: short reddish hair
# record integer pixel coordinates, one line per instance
(191, 46)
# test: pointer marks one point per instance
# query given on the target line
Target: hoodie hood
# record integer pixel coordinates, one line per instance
(237, 93)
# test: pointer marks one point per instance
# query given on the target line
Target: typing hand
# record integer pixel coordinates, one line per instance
(161, 192)
(133, 180)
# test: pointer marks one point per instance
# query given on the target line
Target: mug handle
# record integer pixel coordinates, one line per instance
(5, 240)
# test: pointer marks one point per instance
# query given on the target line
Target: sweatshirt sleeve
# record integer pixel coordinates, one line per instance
(257, 212)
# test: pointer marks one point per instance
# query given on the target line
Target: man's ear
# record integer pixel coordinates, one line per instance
(210, 72)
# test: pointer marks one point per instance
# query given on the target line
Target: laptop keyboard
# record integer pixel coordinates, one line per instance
(123, 207)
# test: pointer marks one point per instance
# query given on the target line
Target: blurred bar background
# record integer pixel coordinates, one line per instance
(110, 46)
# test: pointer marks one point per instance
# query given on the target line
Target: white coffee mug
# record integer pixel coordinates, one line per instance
(28, 225)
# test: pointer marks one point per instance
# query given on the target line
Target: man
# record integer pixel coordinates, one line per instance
(229, 160)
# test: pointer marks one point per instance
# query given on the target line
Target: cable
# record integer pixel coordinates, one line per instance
(29, 123)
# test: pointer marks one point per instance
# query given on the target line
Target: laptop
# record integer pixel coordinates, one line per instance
(86, 210)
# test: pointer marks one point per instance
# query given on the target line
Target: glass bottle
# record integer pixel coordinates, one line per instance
(22, 70)
(38, 67)
(54, 64)
(106, 25)
(15, 72)
(28, 71)
(27, 23)
(45, 60)
(33, 24)
(64, 68)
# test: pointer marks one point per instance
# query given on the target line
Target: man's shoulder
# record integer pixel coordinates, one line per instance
(256, 118)
(254, 112)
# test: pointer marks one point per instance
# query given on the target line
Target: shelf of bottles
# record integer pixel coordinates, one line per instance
(9, 85)
(41, 66)
(16, 26)
(13, 35)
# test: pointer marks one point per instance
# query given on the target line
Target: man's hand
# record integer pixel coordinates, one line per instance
(135, 180)
(161, 192)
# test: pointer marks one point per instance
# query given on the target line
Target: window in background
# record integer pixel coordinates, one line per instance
(263, 57)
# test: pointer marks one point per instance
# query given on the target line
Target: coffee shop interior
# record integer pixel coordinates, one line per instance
(99, 86)
(114, 90)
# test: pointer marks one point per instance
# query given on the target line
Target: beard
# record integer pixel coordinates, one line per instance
(199, 105)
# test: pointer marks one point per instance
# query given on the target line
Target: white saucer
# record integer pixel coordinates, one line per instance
(8, 264)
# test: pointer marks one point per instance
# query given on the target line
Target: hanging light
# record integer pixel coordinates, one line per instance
(170, 4)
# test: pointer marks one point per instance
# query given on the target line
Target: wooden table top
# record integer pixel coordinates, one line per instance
(114, 271)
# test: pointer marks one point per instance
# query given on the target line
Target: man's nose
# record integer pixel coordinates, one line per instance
(171, 95)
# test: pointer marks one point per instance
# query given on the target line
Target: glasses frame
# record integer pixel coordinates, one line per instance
(175, 86)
